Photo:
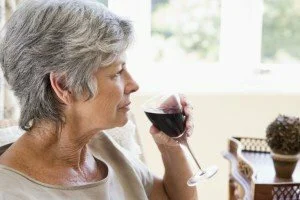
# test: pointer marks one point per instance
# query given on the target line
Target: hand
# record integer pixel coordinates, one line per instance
(163, 139)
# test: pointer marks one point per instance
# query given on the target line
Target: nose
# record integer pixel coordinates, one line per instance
(131, 85)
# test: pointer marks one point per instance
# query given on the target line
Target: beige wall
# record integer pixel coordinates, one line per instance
(216, 118)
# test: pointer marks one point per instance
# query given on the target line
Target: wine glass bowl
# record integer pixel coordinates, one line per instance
(166, 114)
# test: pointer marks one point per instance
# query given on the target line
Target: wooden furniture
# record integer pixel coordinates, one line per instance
(252, 175)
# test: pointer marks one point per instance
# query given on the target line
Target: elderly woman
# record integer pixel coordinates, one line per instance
(65, 61)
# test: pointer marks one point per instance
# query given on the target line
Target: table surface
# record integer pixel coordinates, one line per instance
(265, 172)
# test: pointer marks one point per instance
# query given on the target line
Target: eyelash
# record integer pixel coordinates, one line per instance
(118, 74)
(123, 68)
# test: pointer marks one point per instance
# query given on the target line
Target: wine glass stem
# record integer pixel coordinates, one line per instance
(185, 143)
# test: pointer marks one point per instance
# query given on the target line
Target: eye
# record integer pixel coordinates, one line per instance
(118, 74)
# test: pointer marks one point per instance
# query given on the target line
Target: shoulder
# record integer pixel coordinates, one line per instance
(9, 178)
(11, 186)
(13, 195)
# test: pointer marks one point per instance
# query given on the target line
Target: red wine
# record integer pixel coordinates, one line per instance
(168, 121)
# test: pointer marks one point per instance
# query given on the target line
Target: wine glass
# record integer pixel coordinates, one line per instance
(166, 113)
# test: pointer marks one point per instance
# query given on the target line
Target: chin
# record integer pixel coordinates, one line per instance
(123, 121)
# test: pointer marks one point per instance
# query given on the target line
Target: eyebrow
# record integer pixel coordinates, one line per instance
(121, 60)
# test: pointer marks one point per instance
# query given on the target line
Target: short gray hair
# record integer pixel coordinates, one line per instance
(68, 37)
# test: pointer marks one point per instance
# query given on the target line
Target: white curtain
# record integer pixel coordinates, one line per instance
(9, 108)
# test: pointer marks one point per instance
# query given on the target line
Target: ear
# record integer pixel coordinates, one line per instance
(58, 84)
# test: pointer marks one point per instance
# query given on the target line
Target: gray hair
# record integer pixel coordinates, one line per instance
(72, 38)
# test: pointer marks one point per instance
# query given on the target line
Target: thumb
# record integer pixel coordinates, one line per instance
(154, 130)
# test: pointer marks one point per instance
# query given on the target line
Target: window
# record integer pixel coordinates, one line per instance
(185, 30)
(215, 45)
(281, 28)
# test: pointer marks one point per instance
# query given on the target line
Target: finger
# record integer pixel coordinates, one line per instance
(189, 125)
(163, 139)
(189, 128)
(186, 104)
(183, 100)
(154, 130)
(188, 110)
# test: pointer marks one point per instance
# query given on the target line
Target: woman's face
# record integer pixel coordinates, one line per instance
(109, 108)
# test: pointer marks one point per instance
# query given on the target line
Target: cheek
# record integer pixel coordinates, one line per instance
(116, 93)
(112, 99)
(110, 96)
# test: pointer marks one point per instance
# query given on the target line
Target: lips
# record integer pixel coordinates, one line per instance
(126, 105)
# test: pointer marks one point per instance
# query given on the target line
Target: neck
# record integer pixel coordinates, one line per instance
(55, 158)
(66, 148)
